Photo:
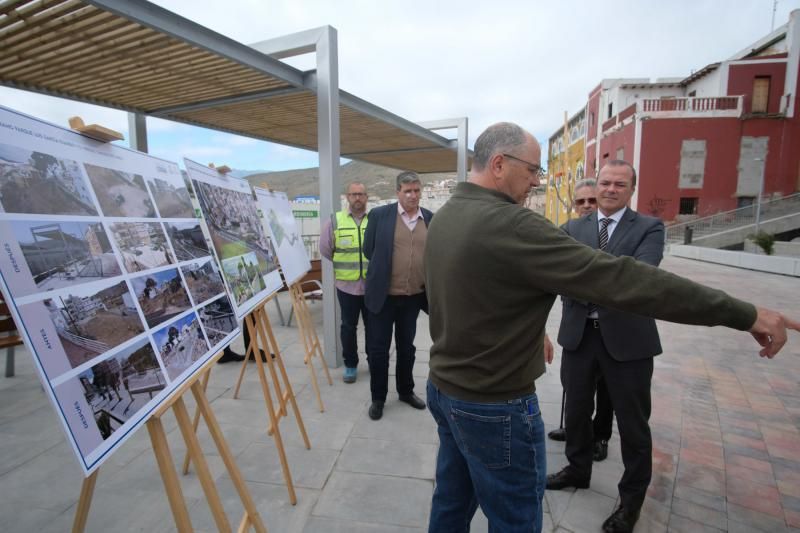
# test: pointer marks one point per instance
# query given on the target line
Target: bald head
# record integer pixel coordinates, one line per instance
(506, 158)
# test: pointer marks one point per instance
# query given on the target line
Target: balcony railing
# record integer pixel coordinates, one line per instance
(692, 104)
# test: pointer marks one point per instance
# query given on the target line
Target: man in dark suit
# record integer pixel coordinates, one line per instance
(585, 203)
(394, 243)
(618, 347)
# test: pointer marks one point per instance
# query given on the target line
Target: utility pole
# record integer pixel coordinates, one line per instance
(774, 8)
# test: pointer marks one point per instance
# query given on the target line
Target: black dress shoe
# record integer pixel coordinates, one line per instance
(413, 400)
(229, 356)
(559, 434)
(564, 480)
(263, 356)
(600, 450)
(621, 521)
(376, 410)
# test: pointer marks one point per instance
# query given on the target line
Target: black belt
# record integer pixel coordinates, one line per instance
(593, 323)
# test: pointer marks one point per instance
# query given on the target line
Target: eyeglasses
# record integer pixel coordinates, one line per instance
(590, 201)
(356, 194)
(533, 167)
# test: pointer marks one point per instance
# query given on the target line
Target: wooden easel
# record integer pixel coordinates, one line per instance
(158, 438)
(308, 332)
(262, 340)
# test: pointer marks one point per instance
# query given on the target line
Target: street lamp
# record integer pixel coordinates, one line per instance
(760, 192)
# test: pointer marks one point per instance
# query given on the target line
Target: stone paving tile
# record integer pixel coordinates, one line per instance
(755, 519)
(681, 524)
(762, 498)
(698, 513)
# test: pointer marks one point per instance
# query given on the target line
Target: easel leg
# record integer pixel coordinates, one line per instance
(247, 356)
(199, 460)
(273, 421)
(195, 423)
(251, 513)
(84, 502)
(158, 437)
(298, 300)
(266, 331)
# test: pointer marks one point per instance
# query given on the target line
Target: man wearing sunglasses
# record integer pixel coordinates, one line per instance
(585, 203)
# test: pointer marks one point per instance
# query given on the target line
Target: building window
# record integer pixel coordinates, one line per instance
(591, 119)
(688, 206)
(692, 94)
(621, 154)
(610, 109)
(761, 94)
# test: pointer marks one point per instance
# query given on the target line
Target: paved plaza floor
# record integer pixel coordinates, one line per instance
(726, 433)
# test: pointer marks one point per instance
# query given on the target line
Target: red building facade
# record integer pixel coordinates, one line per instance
(705, 143)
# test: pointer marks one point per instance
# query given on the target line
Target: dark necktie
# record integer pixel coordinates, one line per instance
(603, 244)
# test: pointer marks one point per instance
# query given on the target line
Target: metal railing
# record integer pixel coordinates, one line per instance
(694, 104)
(744, 216)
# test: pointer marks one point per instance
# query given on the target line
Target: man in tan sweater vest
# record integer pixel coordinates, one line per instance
(394, 243)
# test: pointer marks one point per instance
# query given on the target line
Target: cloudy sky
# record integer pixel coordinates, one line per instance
(523, 61)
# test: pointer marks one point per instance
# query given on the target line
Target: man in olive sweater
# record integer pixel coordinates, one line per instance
(493, 269)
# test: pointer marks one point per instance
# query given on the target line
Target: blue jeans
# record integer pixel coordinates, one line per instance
(492, 455)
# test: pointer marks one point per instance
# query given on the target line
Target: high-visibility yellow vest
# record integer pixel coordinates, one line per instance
(349, 262)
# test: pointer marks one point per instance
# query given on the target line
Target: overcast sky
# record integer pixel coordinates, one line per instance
(523, 61)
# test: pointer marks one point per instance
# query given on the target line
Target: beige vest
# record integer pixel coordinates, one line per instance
(408, 261)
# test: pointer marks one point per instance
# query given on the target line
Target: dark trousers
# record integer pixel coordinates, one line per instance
(628, 385)
(603, 414)
(351, 306)
(399, 313)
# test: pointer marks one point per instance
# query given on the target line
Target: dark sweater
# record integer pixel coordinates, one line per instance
(493, 269)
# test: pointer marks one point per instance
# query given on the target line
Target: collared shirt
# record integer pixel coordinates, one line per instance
(616, 217)
(410, 219)
(356, 287)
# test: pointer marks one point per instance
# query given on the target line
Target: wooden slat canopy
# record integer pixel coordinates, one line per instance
(172, 68)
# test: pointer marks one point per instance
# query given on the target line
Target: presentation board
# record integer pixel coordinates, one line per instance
(282, 228)
(234, 224)
(108, 277)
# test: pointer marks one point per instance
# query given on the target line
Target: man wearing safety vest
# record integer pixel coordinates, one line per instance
(341, 241)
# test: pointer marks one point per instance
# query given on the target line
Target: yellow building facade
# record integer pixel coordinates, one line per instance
(566, 155)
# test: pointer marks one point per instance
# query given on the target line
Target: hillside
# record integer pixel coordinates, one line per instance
(380, 181)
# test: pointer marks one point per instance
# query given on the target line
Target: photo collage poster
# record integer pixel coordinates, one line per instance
(286, 238)
(234, 224)
(108, 277)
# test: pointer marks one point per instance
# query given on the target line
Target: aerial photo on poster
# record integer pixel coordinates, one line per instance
(121, 194)
(171, 196)
(187, 239)
(204, 280)
(161, 295)
(248, 258)
(284, 234)
(143, 245)
(218, 319)
(40, 183)
(180, 344)
(117, 387)
(59, 253)
(88, 321)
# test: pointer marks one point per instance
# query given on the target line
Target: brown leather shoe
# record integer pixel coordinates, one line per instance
(564, 479)
(621, 521)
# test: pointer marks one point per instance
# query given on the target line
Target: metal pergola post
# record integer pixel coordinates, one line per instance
(461, 124)
(137, 132)
(325, 82)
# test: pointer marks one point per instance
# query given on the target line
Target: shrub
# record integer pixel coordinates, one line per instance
(764, 240)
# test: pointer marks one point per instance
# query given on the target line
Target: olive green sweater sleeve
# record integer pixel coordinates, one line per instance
(566, 267)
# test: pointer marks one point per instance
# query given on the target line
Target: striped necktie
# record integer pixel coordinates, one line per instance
(604, 232)
(603, 244)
